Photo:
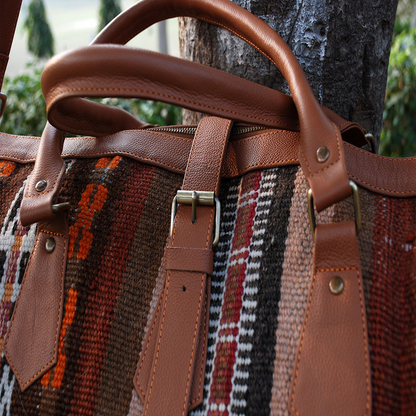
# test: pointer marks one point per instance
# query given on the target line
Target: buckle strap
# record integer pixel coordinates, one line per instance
(169, 376)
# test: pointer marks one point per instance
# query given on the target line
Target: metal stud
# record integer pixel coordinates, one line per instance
(336, 285)
(41, 185)
(322, 154)
(50, 245)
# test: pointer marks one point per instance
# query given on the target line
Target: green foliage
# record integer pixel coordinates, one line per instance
(25, 112)
(40, 39)
(109, 9)
(398, 137)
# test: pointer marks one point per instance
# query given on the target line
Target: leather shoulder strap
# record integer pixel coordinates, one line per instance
(9, 12)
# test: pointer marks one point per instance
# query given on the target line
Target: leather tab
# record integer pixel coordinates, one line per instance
(332, 371)
(170, 373)
(189, 259)
(31, 344)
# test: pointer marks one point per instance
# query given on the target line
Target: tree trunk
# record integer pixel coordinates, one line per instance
(343, 47)
(162, 37)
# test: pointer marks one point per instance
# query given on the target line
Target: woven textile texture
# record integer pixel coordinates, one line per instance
(262, 270)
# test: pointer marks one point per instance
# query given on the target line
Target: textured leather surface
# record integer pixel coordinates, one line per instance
(332, 371)
(189, 259)
(148, 75)
(264, 149)
(37, 206)
(31, 344)
(328, 180)
(172, 348)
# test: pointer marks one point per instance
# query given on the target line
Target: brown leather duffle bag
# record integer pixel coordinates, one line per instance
(254, 264)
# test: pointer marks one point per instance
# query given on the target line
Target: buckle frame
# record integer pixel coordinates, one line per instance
(3, 101)
(357, 209)
(195, 198)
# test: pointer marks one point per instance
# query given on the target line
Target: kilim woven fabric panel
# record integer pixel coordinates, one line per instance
(259, 289)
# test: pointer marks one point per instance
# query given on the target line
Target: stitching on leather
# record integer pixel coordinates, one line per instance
(161, 95)
(57, 323)
(193, 343)
(148, 341)
(20, 137)
(388, 159)
(46, 192)
(158, 345)
(201, 374)
(52, 233)
(191, 155)
(366, 352)
(381, 189)
(304, 329)
(227, 131)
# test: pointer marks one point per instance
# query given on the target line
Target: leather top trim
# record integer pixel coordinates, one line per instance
(265, 149)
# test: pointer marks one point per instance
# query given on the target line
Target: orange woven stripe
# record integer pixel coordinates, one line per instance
(69, 317)
(6, 168)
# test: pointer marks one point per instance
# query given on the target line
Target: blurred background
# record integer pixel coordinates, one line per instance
(47, 27)
(74, 23)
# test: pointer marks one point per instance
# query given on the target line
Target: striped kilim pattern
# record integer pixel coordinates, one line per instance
(119, 223)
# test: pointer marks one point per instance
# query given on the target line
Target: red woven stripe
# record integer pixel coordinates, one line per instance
(392, 306)
(230, 315)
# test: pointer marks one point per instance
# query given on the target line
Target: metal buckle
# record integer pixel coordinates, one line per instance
(195, 198)
(3, 100)
(370, 138)
(357, 210)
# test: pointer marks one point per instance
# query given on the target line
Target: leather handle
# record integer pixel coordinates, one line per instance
(328, 180)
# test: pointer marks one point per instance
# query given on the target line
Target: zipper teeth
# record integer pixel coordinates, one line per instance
(192, 130)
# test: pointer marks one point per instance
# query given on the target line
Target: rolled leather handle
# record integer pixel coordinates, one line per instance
(328, 179)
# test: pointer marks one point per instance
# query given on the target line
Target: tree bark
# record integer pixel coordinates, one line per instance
(343, 47)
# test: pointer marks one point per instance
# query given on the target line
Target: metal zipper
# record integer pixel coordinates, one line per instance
(192, 130)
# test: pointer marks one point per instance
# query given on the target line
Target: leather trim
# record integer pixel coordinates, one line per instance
(332, 371)
(265, 149)
(31, 344)
(189, 259)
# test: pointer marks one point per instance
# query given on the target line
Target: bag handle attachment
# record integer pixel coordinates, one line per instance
(328, 179)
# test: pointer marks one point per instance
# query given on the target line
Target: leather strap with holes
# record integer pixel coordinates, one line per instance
(170, 373)
(332, 370)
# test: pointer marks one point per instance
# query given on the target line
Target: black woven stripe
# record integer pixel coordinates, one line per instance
(259, 391)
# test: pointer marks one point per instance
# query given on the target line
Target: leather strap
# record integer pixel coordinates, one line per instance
(173, 355)
(328, 179)
(332, 370)
(31, 344)
(9, 13)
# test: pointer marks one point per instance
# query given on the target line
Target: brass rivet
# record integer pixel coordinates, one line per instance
(50, 245)
(41, 185)
(336, 285)
(322, 154)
